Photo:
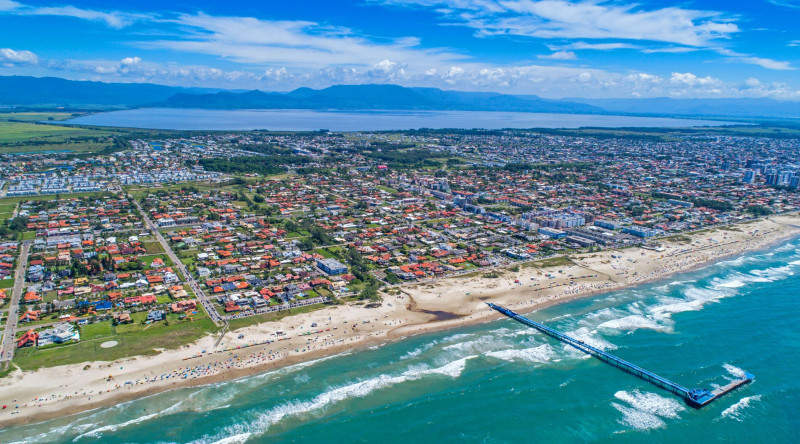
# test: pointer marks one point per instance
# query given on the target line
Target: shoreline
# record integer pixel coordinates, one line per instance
(398, 318)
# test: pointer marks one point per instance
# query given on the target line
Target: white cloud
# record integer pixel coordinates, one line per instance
(543, 80)
(10, 57)
(585, 19)
(8, 5)
(278, 75)
(760, 61)
(279, 55)
(113, 19)
(767, 63)
(387, 71)
(752, 82)
(296, 43)
(593, 46)
(559, 55)
(692, 80)
(131, 61)
(643, 78)
(670, 50)
(134, 69)
(786, 3)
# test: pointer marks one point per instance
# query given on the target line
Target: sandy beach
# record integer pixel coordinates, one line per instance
(408, 310)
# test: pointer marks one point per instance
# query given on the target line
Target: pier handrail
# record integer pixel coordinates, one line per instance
(594, 351)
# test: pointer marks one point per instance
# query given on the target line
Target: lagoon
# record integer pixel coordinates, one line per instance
(372, 120)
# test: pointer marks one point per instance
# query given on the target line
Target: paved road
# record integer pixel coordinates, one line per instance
(9, 344)
(201, 295)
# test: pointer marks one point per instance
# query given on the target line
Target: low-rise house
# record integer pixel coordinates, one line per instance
(123, 318)
(182, 306)
(59, 334)
(156, 315)
(29, 339)
(30, 316)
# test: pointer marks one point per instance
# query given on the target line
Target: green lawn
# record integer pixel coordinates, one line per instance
(47, 197)
(133, 339)
(97, 330)
(325, 253)
(558, 261)
(149, 259)
(6, 283)
(153, 247)
(36, 116)
(20, 133)
(270, 317)
(7, 371)
(13, 132)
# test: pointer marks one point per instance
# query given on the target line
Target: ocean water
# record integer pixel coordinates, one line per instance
(313, 120)
(501, 382)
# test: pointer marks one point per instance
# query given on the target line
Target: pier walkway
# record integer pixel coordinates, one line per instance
(694, 397)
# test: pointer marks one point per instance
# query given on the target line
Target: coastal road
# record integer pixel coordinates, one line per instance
(9, 344)
(201, 295)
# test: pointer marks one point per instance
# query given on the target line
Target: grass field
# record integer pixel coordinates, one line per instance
(96, 331)
(37, 116)
(271, 317)
(15, 132)
(153, 247)
(6, 283)
(133, 339)
(21, 133)
(46, 197)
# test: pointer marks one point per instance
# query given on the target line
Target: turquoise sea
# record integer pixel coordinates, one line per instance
(501, 382)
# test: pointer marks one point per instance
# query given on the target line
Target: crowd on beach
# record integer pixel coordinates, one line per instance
(274, 350)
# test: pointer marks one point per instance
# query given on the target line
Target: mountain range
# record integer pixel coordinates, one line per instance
(49, 92)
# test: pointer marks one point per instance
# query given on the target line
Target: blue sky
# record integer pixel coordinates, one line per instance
(552, 48)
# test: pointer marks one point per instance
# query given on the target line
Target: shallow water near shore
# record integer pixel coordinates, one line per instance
(502, 382)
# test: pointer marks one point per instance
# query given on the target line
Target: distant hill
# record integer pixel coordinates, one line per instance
(354, 97)
(698, 107)
(53, 91)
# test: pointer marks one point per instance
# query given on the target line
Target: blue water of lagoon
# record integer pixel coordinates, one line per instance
(313, 120)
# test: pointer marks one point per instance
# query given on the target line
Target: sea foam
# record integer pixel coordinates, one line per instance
(264, 421)
(541, 353)
(735, 411)
(646, 410)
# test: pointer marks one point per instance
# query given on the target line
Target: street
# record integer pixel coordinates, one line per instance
(9, 344)
(212, 312)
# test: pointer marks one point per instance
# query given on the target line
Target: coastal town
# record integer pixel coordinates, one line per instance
(170, 242)
(399, 221)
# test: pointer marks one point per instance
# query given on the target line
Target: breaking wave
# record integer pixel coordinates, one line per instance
(646, 410)
(735, 411)
(263, 421)
(541, 353)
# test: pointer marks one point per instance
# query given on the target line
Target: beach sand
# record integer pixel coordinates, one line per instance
(417, 308)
